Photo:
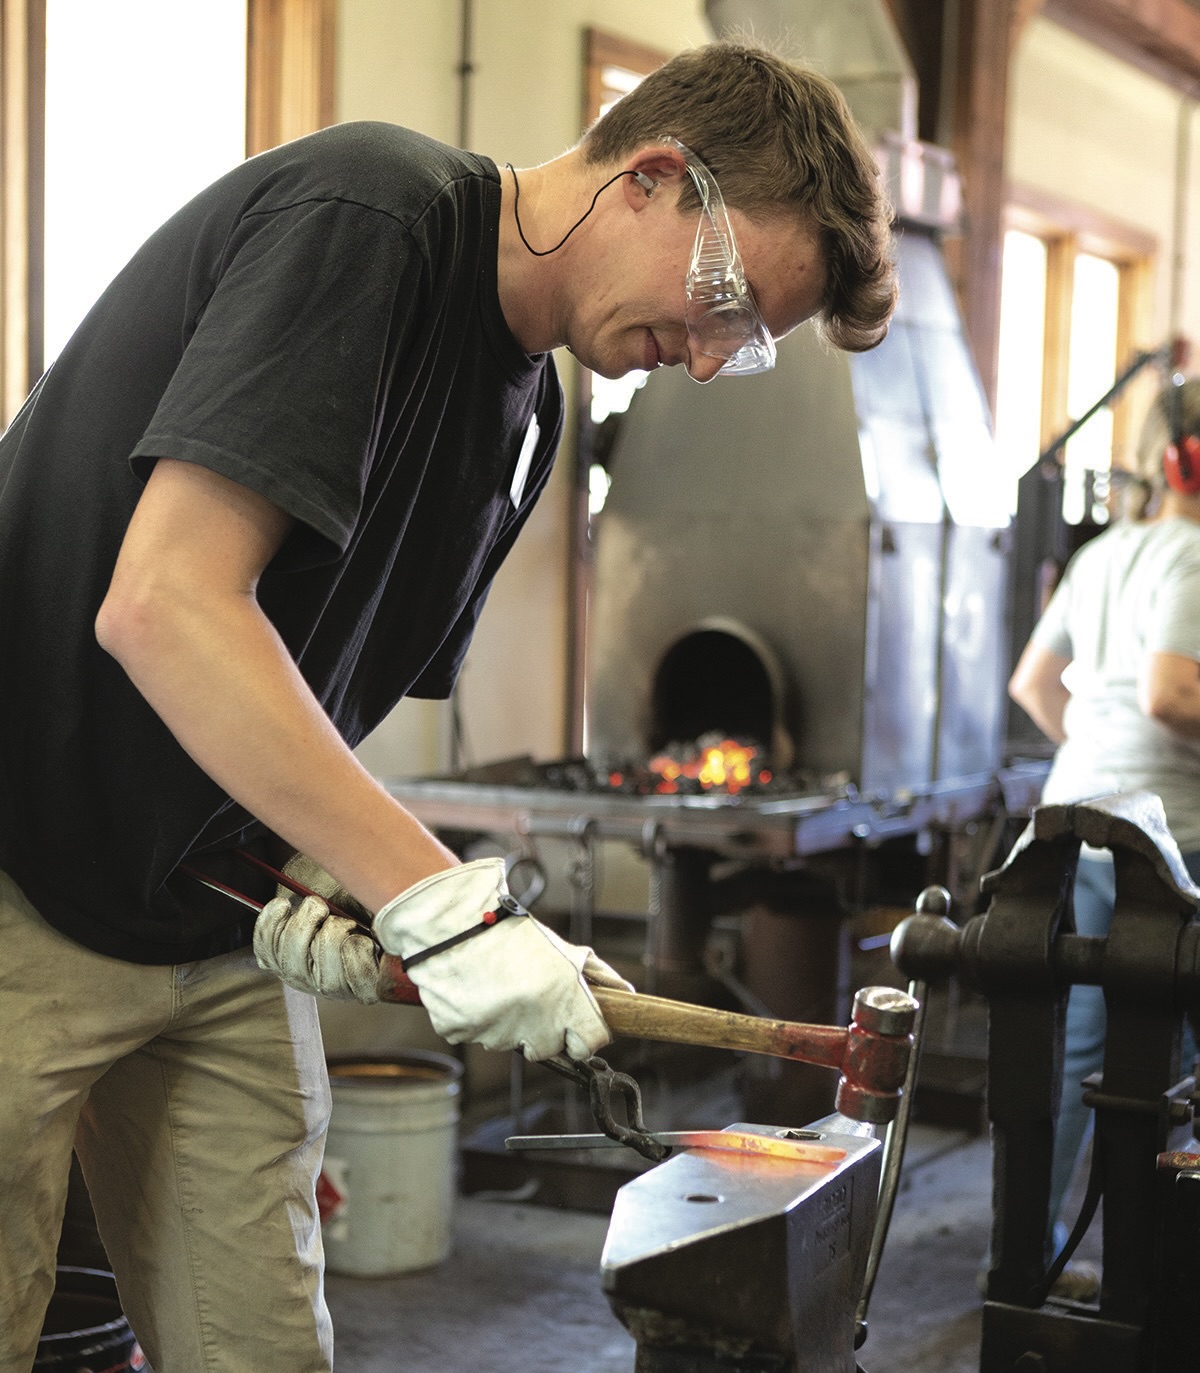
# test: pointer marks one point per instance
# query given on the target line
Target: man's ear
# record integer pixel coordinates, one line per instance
(650, 168)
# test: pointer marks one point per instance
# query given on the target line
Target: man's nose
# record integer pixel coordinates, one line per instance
(701, 367)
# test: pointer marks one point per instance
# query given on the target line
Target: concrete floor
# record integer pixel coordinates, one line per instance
(521, 1291)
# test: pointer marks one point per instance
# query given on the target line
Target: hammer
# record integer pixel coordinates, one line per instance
(871, 1055)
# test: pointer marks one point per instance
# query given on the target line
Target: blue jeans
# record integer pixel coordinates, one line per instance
(1095, 895)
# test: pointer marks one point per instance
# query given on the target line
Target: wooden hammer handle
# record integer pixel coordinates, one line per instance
(680, 1022)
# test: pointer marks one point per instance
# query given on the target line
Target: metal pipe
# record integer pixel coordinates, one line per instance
(1183, 154)
(466, 69)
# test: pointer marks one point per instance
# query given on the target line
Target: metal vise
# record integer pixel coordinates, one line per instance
(722, 1263)
(1024, 955)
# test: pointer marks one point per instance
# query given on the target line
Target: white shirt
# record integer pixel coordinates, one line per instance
(1129, 592)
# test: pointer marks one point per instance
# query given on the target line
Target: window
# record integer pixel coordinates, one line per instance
(1092, 364)
(112, 115)
(145, 105)
(1074, 292)
(1022, 329)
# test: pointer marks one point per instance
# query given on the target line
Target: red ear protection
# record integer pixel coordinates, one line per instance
(1181, 465)
(1181, 460)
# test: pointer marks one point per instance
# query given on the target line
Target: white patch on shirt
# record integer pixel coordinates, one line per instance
(524, 458)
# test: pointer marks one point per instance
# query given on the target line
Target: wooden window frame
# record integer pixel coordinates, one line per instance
(290, 70)
(602, 50)
(22, 178)
(290, 75)
(1068, 230)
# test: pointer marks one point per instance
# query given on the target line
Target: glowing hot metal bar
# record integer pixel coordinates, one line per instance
(781, 1147)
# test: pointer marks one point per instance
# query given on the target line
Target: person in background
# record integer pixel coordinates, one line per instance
(1111, 675)
(259, 497)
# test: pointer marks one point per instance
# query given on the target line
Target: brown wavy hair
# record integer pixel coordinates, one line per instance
(780, 140)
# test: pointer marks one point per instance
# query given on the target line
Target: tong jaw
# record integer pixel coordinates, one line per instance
(603, 1083)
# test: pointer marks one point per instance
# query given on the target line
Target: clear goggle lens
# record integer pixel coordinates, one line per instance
(723, 319)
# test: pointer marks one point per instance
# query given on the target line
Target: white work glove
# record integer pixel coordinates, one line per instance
(514, 984)
(305, 945)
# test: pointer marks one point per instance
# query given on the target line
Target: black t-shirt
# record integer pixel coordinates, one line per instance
(321, 325)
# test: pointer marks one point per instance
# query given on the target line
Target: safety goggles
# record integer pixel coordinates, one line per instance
(723, 320)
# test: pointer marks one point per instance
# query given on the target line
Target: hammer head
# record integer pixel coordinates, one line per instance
(879, 1047)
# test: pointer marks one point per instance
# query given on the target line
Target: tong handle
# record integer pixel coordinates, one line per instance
(395, 986)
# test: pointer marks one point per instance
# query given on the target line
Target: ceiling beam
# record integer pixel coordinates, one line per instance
(1161, 37)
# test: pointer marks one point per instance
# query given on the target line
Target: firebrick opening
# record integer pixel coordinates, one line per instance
(712, 680)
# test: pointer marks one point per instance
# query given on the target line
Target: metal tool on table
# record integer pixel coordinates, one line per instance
(786, 1143)
(602, 1083)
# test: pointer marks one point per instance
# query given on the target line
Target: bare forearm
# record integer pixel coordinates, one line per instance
(1169, 692)
(1037, 687)
(1047, 710)
(1183, 718)
(217, 673)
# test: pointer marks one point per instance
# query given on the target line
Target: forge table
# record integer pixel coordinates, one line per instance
(755, 826)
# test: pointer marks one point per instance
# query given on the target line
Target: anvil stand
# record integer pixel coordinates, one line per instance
(1023, 955)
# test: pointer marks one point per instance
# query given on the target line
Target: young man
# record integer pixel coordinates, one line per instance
(259, 498)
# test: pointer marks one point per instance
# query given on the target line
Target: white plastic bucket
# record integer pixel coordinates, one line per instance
(390, 1176)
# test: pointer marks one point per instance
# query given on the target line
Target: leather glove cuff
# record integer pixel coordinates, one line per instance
(506, 907)
(521, 988)
(440, 908)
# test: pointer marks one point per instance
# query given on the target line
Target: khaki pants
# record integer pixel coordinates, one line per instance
(197, 1099)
